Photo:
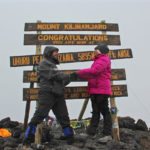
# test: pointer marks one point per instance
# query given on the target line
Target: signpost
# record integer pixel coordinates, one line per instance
(79, 92)
(70, 39)
(31, 76)
(72, 57)
(71, 27)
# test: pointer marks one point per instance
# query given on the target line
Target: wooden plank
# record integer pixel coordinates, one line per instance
(71, 27)
(70, 39)
(75, 92)
(29, 60)
(31, 76)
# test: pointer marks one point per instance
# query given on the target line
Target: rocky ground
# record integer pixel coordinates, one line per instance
(134, 136)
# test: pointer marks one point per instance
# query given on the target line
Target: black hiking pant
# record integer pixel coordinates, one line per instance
(100, 105)
(49, 101)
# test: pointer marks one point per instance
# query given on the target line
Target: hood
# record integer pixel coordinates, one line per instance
(49, 50)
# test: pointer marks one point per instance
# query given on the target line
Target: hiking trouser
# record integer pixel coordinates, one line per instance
(100, 105)
(49, 101)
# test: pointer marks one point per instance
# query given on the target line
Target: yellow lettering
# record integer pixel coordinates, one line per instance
(85, 26)
(112, 55)
(21, 61)
(36, 59)
(116, 88)
(123, 53)
(114, 77)
(66, 57)
(117, 93)
(42, 26)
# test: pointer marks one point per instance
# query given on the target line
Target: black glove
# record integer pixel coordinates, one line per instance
(73, 76)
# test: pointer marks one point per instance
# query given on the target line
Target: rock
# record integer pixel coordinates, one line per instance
(66, 147)
(141, 125)
(2, 140)
(3, 122)
(126, 122)
(7, 119)
(10, 142)
(81, 137)
(7, 123)
(9, 148)
(145, 142)
(132, 138)
(37, 146)
(112, 145)
(90, 144)
(104, 139)
(127, 135)
(23, 147)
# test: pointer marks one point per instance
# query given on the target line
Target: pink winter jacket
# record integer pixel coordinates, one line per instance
(98, 75)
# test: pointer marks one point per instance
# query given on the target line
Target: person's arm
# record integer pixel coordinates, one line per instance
(93, 71)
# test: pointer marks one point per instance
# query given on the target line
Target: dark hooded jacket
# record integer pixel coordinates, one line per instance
(50, 78)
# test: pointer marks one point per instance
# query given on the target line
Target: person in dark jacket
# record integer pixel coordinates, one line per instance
(51, 95)
(99, 88)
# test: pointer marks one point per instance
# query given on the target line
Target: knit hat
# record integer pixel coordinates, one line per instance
(103, 48)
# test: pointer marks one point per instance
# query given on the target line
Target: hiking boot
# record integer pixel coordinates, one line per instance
(68, 135)
(29, 134)
(91, 130)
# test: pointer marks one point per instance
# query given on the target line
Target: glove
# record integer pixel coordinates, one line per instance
(73, 76)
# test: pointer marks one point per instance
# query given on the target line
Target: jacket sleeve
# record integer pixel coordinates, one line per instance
(89, 73)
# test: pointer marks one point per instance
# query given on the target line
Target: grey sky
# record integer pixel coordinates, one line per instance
(134, 22)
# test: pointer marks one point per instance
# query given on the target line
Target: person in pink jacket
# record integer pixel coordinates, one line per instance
(99, 88)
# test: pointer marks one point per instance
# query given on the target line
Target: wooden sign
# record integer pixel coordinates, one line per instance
(70, 39)
(29, 60)
(71, 27)
(31, 76)
(75, 92)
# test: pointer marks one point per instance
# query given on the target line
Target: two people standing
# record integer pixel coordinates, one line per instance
(51, 95)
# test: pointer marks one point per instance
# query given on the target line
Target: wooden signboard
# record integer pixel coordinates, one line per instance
(70, 39)
(71, 27)
(75, 92)
(31, 76)
(29, 60)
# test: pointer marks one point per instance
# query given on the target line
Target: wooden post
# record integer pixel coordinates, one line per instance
(115, 125)
(83, 109)
(38, 134)
(27, 110)
(113, 108)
